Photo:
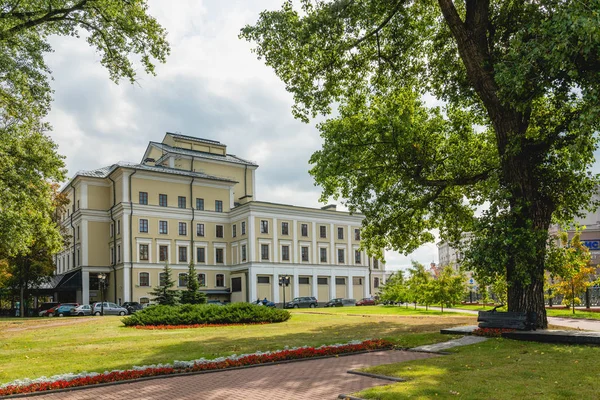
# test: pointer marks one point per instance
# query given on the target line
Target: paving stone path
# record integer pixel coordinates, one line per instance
(312, 379)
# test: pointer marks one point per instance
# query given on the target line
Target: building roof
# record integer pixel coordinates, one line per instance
(195, 139)
(105, 171)
(201, 154)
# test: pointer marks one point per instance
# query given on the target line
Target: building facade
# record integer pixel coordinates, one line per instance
(189, 201)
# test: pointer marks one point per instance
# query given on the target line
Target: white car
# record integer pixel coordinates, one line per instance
(80, 311)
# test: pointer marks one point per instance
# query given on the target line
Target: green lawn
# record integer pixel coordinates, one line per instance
(378, 310)
(34, 347)
(562, 312)
(497, 369)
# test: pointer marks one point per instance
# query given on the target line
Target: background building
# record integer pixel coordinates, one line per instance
(191, 201)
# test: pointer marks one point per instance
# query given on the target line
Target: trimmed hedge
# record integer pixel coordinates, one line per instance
(191, 314)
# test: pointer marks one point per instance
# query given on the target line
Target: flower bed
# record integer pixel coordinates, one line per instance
(159, 327)
(83, 379)
(491, 332)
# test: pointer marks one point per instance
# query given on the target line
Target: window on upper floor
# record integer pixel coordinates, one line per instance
(219, 256)
(182, 254)
(219, 231)
(143, 225)
(118, 227)
(183, 280)
(323, 231)
(375, 263)
(304, 253)
(162, 200)
(119, 253)
(183, 228)
(144, 279)
(243, 253)
(143, 197)
(163, 227)
(264, 251)
(357, 257)
(220, 280)
(264, 226)
(202, 279)
(341, 256)
(340, 233)
(162, 279)
(200, 204)
(181, 201)
(323, 254)
(285, 253)
(111, 231)
(201, 255)
(218, 206)
(199, 229)
(356, 234)
(285, 228)
(234, 230)
(243, 227)
(375, 282)
(163, 253)
(143, 252)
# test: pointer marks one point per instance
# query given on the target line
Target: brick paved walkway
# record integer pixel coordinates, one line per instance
(312, 379)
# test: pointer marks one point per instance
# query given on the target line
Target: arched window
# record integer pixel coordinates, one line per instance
(144, 279)
(220, 280)
(202, 279)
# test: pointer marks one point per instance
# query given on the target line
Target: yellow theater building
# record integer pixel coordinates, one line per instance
(188, 200)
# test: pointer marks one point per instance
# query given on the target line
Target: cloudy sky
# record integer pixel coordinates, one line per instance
(212, 86)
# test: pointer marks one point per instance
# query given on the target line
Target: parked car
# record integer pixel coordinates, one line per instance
(264, 302)
(43, 310)
(298, 302)
(215, 302)
(366, 302)
(53, 311)
(108, 308)
(132, 306)
(82, 310)
(64, 310)
(339, 302)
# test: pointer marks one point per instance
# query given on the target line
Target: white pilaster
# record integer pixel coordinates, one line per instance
(332, 245)
(366, 286)
(127, 257)
(125, 187)
(275, 242)
(275, 287)
(350, 258)
(231, 198)
(83, 195)
(295, 286)
(254, 196)
(294, 248)
(315, 288)
(251, 238)
(350, 286)
(85, 286)
(332, 286)
(126, 283)
(252, 285)
(84, 243)
(314, 244)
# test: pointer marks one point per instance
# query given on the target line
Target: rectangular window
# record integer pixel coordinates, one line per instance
(218, 206)
(181, 201)
(341, 257)
(143, 197)
(200, 204)
(304, 229)
(162, 279)
(357, 256)
(183, 280)
(236, 284)
(163, 253)
(243, 253)
(143, 252)
(264, 251)
(220, 259)
(144, 279)
(356, 234)
(323, 254)
(78, 204)
(202, 279)
(182, 254)
(220, 280)
(323, 231)
(162, 200)
(219, 231)
(163, 227)
(234, 230)
(264, 226)
(375, 282)
(118, 253)
(201, 254)
(118, 227)
(112, 256)
(285, 253)
(111, 232)
(304, 253)
(285, 228)
(143, 226)
(199, 229)
(243, 227)
(304, 280)
(340, 233)
(183, 228)
(263, 279)
(340, 281)
(322, 280)
(375, 263)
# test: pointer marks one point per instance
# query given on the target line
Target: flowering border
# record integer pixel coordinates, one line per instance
(66, 381)
(491, 332)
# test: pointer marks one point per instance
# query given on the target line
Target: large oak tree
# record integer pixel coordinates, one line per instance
(517, 86)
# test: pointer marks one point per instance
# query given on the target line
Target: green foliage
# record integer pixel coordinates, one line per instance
(117, 30)
(516, 133)
(190, 314)
(419, 285)
(192, 295)
(165, 294)
(395, 289)
(449, 287)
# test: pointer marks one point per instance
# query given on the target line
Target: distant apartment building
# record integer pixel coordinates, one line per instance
(188, 200)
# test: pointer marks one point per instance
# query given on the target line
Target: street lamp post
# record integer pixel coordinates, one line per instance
(284, 281)
(102, 281)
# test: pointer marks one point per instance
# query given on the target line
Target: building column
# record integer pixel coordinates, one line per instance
(350, 286)
(84, 243)
(275, 288)
(294, 248)
(315, 288)
(251, 238)
(315, 256)
(350, 261)
(332, 285)
(83, 195)
(333, 259)
(275, 242)
(252, 285)
(127, 258)
(85, 286)
(295, 286)
(366, 286)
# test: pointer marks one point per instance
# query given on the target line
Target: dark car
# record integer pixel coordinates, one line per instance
(64, 310)
(339, 302)
(366, 302)
(265, 303)
(53, 311)
(132, 306)
(298, 302)
(43, 310)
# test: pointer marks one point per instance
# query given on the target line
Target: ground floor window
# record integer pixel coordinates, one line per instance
(322, 280)
(144, 279)
(236, 284)
(202, 279)
(376, 282)
(263, 279)
(220, 280)
(304, 280)
(340, 281)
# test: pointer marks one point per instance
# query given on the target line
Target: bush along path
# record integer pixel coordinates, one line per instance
(66, 381)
